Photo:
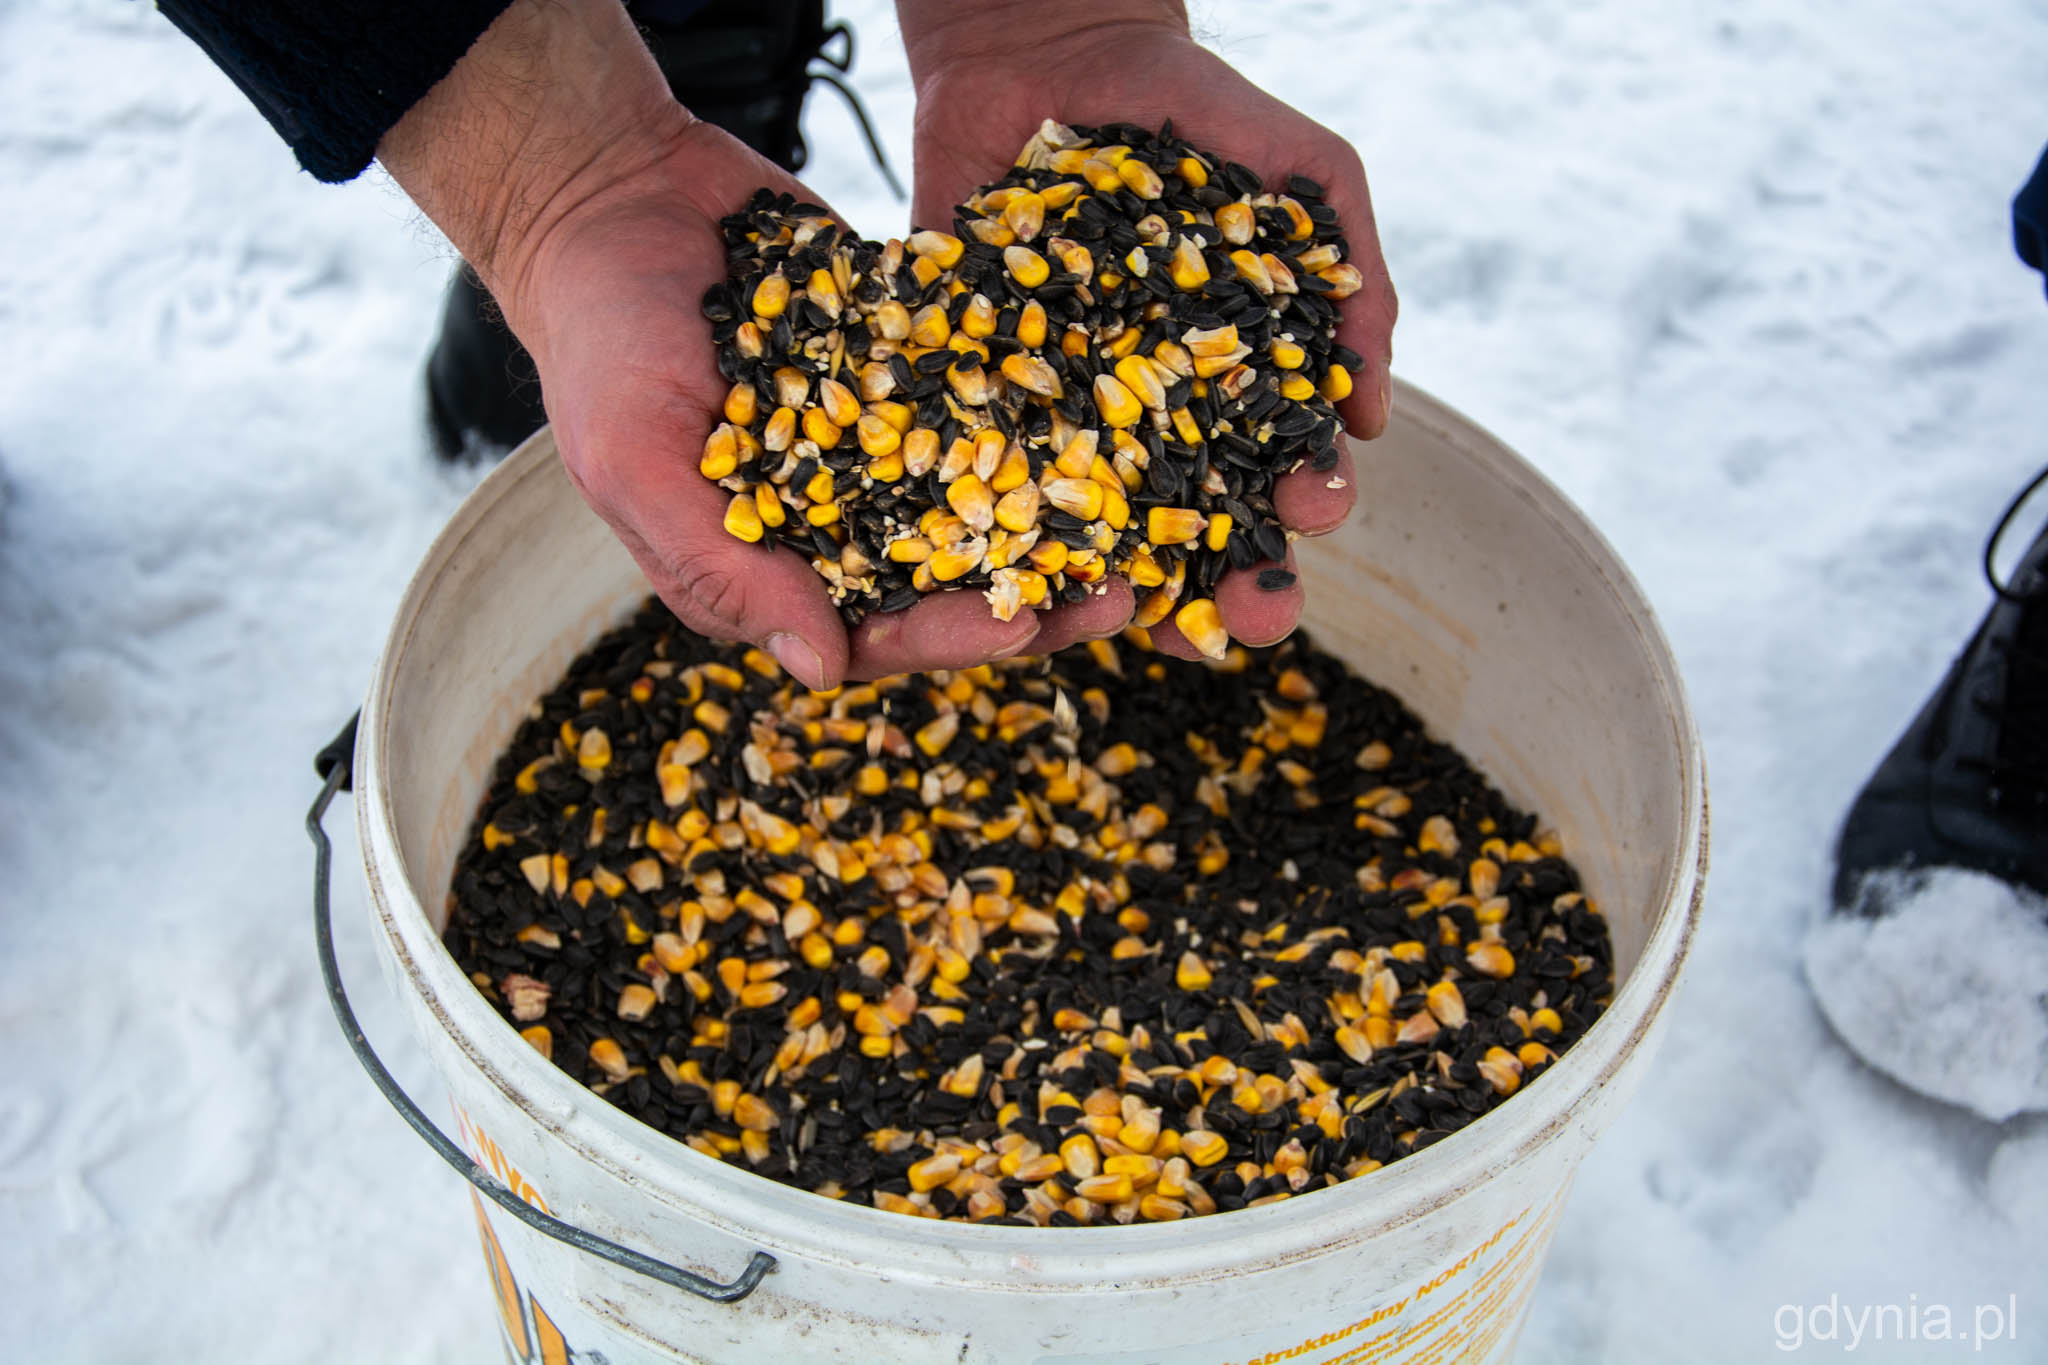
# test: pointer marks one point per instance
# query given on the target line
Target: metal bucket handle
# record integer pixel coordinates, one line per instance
(334, 763)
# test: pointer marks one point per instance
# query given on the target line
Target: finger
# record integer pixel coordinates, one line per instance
(1095, 617)
(945, 630)
(1315, 502)
(1259, 616)
(1365, 320)
(1167, 639)
(1366, 326)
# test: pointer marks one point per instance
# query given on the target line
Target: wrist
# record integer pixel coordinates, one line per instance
(556, 99)
(938, 34)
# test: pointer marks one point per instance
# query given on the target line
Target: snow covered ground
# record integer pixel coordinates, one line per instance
(1736, 276)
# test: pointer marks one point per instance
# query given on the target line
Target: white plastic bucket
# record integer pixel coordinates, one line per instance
(1466, 583)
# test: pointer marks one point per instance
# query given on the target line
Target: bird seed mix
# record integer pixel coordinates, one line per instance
(1100, 370)
(1105, 937)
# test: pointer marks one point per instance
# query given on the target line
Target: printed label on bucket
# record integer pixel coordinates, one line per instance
(1465, 1312)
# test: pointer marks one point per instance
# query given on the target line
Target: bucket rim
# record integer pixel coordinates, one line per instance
(796, 1224)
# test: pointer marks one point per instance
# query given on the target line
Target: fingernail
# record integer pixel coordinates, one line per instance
(798, 659)
(1016, 645)
(1387, 403)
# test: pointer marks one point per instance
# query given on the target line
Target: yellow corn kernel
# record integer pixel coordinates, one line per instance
(742, 404)
(1080, 1156)
(1344, 281)
(761, 994)
(1141, 179)
(1189, 270)
(930, 326)
(1143, 379)
(1336, 385)
(1156, 608)
(1033, 375)
(1491, 959)
(1297, 387)
(768, 505)
(1447, 1004)
(1118, 406)
(721, 453)
(1049, 556)
(979, 318)
(1031, 325)
(824, 291)
(841, 408)
(636, 1002)
(1116, 509)
(891, 322)
(1013, 471)
(1218, 532)
(1077, 497)
(1017, 511)
(743, 518)
(771, 296)
(1173, 525)
(1202, 624)
(1106, 1189)
(1287, 355)
(1209, 343)
(1204, 1148)
(941, 248)
(820, 428)
(920, 451)
(969, 497)
(877, 438)
(1502, 1070)
(992, 232)
(1236, 222)
(607, 1056)
(1026, 266)
(956, 561)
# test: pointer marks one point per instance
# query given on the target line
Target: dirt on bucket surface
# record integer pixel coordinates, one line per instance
(1104, 937)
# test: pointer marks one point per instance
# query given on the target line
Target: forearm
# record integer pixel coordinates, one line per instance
(555, 100)
(937, 33)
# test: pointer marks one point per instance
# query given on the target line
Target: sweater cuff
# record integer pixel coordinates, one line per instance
(2030, 218)
(332, 79)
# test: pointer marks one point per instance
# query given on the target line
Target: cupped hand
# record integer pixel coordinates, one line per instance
(611, 309)
(588, 200)
(980, 97)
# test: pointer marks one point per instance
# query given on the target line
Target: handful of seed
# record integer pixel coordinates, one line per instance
(1100, 370)
(1106, 937)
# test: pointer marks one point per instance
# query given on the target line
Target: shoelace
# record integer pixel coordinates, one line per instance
(2020, 766)
(843, 64)
(2040, 587)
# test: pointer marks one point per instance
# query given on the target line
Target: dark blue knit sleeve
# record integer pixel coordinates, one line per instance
(2030, 218)
(332, 78)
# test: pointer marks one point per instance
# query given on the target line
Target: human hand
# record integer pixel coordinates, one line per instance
(987, 74)
(588, 201)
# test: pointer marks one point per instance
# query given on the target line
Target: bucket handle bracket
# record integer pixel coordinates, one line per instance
(334, 764)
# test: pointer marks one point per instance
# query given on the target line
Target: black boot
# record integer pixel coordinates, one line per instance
(1967, 784)
(744, 65)
(1933, 961)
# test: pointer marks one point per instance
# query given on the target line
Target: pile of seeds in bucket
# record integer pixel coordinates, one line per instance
(1100, 371)
(1105, 937)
